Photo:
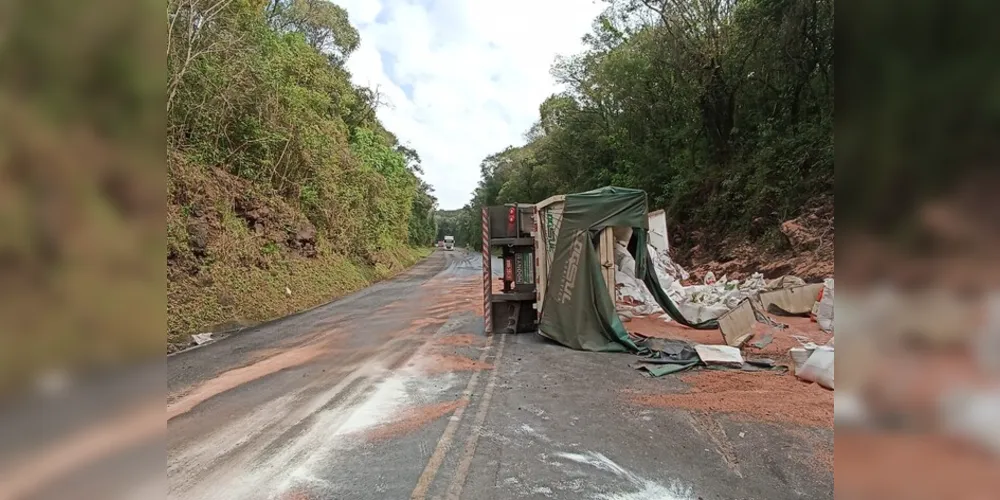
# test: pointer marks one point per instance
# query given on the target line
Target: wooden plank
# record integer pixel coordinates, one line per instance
(607, 259)
(736, 325)
(540, 264)
(548, 201)
(795, 300)
(658, 230)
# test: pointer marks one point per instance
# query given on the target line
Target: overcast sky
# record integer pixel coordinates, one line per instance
(463, 78)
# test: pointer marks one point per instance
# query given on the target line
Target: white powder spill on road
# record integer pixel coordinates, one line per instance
(647, 489)
(206, 451)
(276, 461)
(378, 408)
(342, 428)
(529, 430)
(543, 490)
(597, 460)
(652, 491)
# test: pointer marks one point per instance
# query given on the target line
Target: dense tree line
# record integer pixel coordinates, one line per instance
(722, 110)
(448, 223)
(258, 87)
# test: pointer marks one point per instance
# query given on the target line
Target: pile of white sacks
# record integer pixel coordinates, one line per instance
(697, 302)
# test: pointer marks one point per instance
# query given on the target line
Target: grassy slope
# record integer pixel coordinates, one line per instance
(233, 251)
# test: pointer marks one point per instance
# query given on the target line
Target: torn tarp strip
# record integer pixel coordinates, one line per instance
(664, 369)
(758, 312)
(676, 349)
(764, 341)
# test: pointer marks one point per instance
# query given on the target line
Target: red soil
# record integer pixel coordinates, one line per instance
(758, 396)
(443, 363)
(820, 457)
(912, 465)
(460, 340)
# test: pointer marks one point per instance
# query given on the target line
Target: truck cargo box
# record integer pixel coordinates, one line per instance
(548, 219)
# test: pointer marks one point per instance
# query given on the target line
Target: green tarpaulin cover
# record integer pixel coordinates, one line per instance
(578, 312)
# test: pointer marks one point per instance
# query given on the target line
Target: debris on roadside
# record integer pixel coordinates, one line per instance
(818, 367)
(800, 355)
(201, 338)
(761, 362)
(586, 258)
(849, 409)
(760, 314)
(741, 309)
(712, 299)
(786, 281)
(658, 370)
(737, 325)
(824, 307)
(795, 301)
(709, 278)
(633, 298)
(973, 415)
(719, 355)
(764, 341)
(665, 356)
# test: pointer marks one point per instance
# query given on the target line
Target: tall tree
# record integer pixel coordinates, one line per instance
(721, 110)
(324, 25)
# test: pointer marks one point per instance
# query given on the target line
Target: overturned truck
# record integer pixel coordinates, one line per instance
(569, 295)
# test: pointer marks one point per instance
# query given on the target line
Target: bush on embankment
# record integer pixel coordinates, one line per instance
(285, 190)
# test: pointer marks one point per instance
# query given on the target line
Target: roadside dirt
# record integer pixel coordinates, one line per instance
(912, 465)
(757, 396)
(806, 249)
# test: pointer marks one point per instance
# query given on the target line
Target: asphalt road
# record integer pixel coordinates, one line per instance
(394, 393)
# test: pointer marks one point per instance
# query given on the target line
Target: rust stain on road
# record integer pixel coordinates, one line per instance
(446, 363)
(234, 378)
(414, 418)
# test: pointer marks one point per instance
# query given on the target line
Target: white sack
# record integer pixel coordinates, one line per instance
(818, 368)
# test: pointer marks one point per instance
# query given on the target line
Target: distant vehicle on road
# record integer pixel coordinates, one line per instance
(449, 242)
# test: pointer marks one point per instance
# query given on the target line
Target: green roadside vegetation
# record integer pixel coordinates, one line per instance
(285, 191)
(722, 112)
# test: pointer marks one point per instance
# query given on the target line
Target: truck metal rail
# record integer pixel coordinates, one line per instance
(510, 230)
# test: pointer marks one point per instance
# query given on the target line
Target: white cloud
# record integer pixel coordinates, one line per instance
(464, 78)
